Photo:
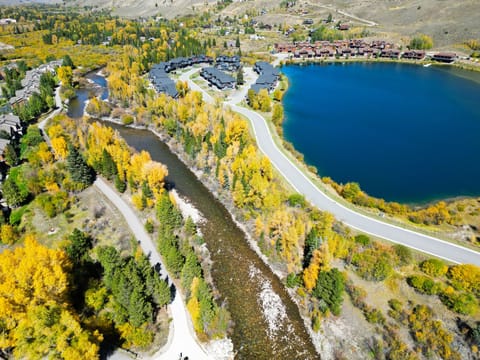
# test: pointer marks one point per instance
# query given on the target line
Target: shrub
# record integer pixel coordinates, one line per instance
(462, 303)
(362, 239)
(149, 226)
(293, 280)
(465, 277)
(374, 316)
(297, 200)
(373, 264)
(404, 254)
(434, 267)
(424, 284)
(127, 119)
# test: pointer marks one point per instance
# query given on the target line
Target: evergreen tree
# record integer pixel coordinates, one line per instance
(78, 168)
(237, 42)
(108, 166)
(80, 244)
(240, 80)
(329, 289)
(13, 194)
(67, 61)
(119, 184)
(10, 154)
(169, 216)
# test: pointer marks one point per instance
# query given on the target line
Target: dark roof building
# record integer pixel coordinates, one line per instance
(268, 78)
(158, 75)
(227, 63)
(414, 54)
(445, 57)
(218, 78)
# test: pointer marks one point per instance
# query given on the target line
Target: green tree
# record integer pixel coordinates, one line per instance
(79, 246)
(108, 167)
(67, 61)
(77, 167)
(240, 80)
(169, 216)
(421, 42)
(10, 154)
(329, 289)
(13, 194)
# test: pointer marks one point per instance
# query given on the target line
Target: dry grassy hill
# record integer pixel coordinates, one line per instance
(449, 22)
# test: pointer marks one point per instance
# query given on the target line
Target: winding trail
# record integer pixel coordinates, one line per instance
(303, 185)
(181, 337)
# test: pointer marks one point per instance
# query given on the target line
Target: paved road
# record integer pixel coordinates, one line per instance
(181, 337)
(303, 185)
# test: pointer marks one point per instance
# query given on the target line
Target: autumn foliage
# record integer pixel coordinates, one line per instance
(35, 311)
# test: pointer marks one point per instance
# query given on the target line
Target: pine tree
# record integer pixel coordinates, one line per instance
(240, 80)
(77, 167)
(108, 168)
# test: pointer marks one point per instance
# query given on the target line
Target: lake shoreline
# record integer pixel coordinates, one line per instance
(287, 143)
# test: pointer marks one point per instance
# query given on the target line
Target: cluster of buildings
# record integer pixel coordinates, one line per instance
(161, 81)
(218, 78)
(268, 77)
(227, 63)
(356, 48)
(31, 82)
(159, 78)
(11, 129)
(340, 48)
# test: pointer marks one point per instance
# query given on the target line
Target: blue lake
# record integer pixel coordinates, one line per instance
(404, 132)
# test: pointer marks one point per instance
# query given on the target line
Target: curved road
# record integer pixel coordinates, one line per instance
(303, 185)
(181, 338)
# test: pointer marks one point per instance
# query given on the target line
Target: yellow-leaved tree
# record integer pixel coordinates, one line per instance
(37, 318)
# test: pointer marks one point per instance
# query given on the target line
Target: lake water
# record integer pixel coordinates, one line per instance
(404, 132)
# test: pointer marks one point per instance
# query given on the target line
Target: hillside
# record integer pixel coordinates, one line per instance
(447, 21)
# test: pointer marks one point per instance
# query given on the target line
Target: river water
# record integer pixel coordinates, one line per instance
(267, 323)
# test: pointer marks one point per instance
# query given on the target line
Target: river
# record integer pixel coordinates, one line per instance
(267, 323)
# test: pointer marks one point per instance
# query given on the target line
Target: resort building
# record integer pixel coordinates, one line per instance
(161, 81)
(159, 78)
(218, 78)
(227, 63)
(268, 78)
(414, 54)
(31, 82)
(445, 57)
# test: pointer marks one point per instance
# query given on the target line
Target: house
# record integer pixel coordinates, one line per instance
(227, 63)
(31, 82)
(11, 125)
(218, 78)
(161, 81)
(268, 78)
(390, 53)
(414, 54)
(346, 52)
(343, 27)
(445, 57)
